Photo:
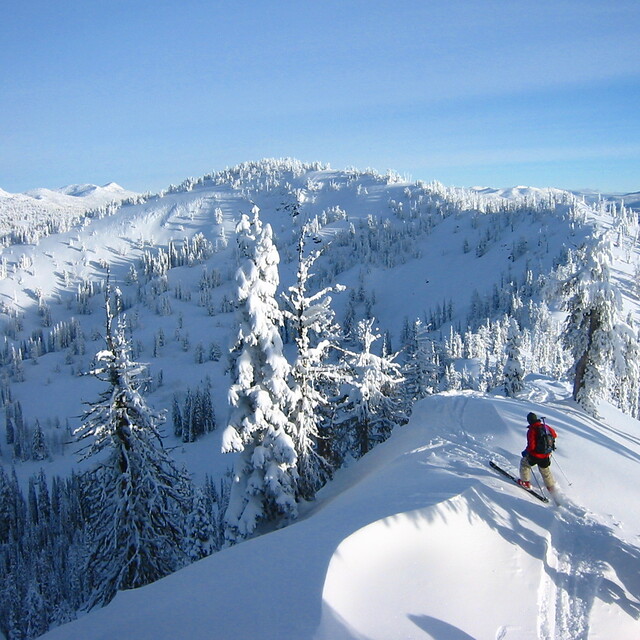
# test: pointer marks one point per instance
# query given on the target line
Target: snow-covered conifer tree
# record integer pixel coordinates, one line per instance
(6, 507)
(593, 331)
(513, 372)
(200, 531)
(176, 414)
(35, 622)
(543, 337)
(10, 431)
(137, 498)
(453, 345)
(452, 379)
(421, 368)
(589, 334)
(313, 324)
(626, 369)
(187, 418)
(265, 472)
(370, 406)
(39, 448)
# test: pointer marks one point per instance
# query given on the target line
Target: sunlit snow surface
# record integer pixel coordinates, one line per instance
(421, 539)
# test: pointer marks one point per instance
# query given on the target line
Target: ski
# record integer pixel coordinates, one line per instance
(533, 492)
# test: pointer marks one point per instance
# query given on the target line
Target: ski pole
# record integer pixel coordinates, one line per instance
(562, 472)
(535, 477)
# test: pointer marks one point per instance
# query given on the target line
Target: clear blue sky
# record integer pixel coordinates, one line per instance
(498, 93)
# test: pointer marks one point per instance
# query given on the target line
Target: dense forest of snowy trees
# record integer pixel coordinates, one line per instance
(314, 380)
(45, 542)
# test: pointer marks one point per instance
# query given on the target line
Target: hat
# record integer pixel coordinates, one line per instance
(531, 418)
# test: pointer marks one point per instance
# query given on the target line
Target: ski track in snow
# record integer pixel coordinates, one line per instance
(582, 554)
(574, 565)
(571, 577)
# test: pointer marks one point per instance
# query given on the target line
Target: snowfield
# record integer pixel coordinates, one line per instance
(421, 539)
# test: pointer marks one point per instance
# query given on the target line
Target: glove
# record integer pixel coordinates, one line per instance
(524, 453)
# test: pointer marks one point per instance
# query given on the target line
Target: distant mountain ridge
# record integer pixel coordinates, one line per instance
(631, 200)
(47, 211)
(95, 193)
(53, 210)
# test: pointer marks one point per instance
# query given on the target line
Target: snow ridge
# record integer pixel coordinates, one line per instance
(397, 545)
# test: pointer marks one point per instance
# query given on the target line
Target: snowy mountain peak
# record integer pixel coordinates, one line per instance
(113, 186)
(85, 190)
(89, 191)
(46, 210)
(78, 190)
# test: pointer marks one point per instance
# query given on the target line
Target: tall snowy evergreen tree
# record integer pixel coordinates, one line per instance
(626, 369)
(452, 379)
(588, 334)
(176, 415)
(513, 372)
(313, 324)
(137, 497)
(421, 368)
(265, 472)
(593, 328)
(39, 449)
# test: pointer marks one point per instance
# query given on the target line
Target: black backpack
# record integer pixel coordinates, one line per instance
(545, 442)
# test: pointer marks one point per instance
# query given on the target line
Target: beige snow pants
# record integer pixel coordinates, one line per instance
(545, 472)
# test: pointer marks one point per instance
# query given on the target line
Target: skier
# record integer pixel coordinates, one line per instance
(540, 443)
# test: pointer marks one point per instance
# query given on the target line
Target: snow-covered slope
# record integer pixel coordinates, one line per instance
(631, 199)
(428, 229)
(420, 539)
(47, 210)
(404, 251)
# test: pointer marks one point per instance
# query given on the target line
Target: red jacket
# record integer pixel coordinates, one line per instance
(532, 439)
